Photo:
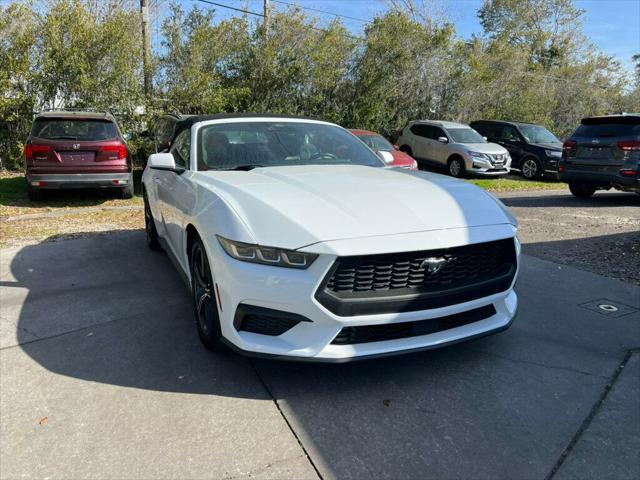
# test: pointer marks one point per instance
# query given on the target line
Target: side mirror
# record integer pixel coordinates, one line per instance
(443, 139)
(126, 136)
(485, 139)
(386, 157)
(163, 161)
(396, 147)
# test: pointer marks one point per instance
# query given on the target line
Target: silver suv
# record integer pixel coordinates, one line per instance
(455, 146)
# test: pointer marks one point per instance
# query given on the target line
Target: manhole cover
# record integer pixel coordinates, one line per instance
(609, 307)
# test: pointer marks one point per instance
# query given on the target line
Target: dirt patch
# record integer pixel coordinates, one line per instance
(600, 234)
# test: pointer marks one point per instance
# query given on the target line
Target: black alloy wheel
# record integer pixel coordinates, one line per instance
(204, 298)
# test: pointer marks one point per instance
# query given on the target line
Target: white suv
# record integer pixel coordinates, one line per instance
(453, 145)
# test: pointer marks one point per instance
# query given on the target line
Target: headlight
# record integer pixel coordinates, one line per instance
(483, 156)
(553, 153)
(277, 257)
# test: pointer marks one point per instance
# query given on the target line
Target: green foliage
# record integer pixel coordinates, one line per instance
(533, 63)
(201, 61)
(406, 70)
(66, 56)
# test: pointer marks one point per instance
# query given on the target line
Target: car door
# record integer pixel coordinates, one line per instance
(420, 144)
(176, 195)
(440, 150)
(511, 139)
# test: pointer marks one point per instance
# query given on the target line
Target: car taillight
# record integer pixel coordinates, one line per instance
(569, 145)
(31, 150)
(629, 173)
(114, 152)
(629, 145)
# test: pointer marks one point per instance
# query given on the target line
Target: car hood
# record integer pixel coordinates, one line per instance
(296, 206)
(549, 146)
(484, 147)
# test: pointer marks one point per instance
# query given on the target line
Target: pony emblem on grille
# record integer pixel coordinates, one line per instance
(434, 264)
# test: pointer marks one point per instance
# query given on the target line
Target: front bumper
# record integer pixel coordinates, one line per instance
(293, 291)
(55, 181)
(484, 168)
(600, 176)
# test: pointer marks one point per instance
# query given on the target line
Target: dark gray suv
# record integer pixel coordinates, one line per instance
(603, 153)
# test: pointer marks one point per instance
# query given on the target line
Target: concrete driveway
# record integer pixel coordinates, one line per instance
(102, 376)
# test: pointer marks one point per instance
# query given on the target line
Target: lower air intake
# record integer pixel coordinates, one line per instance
(265, 321)
(393, 331)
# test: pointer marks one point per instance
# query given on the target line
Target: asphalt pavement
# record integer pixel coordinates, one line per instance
(102, 376)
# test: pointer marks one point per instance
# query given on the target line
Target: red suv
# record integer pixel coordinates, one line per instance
(77, 150)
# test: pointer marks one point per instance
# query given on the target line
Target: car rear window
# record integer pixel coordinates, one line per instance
(609, 127)
(71, 129)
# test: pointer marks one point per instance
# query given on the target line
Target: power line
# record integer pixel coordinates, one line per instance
(321, 11)
(232, 8)
(263, 16)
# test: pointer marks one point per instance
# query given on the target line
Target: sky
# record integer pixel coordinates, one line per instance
(612, 25)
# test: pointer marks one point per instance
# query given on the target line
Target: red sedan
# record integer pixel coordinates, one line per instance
(377, 142)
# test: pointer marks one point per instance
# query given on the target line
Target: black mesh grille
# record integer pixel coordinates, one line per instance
(360, 284)
(404, 270)
(265, 321)
(379, 333)
(266, 325)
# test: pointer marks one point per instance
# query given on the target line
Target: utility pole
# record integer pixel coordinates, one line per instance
(267, 16)
(146, 49)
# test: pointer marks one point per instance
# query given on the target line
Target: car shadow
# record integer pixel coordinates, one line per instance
(105, 309)
(120, 315)
(600, 199)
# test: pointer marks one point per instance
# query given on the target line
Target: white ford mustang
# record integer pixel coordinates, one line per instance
(296, 241)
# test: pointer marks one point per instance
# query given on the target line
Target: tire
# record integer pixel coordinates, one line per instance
(406, 149)
(531, 168)
(35, 195)
(205, 307)
(128, 190)
(456, 167)
(153, 241)
(581, 190)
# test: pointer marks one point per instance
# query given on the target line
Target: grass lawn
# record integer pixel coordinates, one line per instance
(72, 213)
(62, 214)
(513, 183)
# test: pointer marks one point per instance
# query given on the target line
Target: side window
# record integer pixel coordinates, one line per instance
(181, 149)
(437, 132)
(416, 130)
(491, 131)
(509, 133)
(421, 130)
(158, 134)
(483, 129)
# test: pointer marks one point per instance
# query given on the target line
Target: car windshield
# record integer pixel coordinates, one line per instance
(65, 129)
(465, 135)
(242, 145)
(538, 134)
(376, 143)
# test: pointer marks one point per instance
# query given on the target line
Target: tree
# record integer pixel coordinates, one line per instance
(298, 67)
(406, 70)
(199, 69)
(549, 29)
(18, 95)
